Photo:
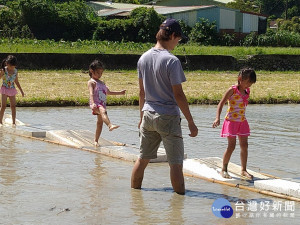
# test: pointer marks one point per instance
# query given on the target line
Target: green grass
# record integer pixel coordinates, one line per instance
(69, 88)
(107, 47)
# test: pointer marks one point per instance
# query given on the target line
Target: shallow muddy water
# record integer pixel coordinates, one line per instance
(43, 183)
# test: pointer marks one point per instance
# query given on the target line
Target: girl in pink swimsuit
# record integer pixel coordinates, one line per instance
(98, 91)
(235, 123)
(9, 73)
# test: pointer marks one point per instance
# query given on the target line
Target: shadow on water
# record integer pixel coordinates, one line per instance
(208, 195)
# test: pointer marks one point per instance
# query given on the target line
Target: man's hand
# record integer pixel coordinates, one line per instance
(193, 129)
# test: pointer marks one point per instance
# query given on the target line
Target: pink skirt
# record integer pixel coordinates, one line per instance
(97, 107)
(8, 91)
(233, 128)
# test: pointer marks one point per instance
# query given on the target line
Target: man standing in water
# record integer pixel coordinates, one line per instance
(160, 98)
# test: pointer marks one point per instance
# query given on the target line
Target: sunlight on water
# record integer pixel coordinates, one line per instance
(42, 183)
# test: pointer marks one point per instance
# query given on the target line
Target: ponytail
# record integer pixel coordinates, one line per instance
(11, 60)
(3, 64)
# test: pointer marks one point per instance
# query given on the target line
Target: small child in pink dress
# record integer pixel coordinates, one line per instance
(9, 73)
(235, 123)
(98, 91)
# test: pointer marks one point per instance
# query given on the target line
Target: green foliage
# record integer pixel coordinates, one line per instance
(9, 18)
(275, 39)
(142, 26)
(292, 25)
(115, 30)
(204, 33)
(19, 45)
(147, 22)
(73, 20)
(11, 25)
(4, 2)
(227, 40)
(16, 32)
(39, 15)
(277, 8)
(69, 20)
(185, 29)
(245, 5)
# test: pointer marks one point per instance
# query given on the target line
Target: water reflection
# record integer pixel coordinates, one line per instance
(36, 186)
(144, 210)
(176, 209)
(8, 161)
(139, 208)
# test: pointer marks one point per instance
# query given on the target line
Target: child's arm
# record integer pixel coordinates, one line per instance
(115, 92)
(220, 106)
(1, 73)
(91, 86)
(18, 85)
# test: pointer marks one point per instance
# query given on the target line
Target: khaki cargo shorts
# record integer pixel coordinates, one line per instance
(156, 128)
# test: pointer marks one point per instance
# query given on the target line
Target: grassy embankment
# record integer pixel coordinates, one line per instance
(70, 88)
(106, 47)
(54, 88)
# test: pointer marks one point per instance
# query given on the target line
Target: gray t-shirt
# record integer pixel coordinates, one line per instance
(159, 70)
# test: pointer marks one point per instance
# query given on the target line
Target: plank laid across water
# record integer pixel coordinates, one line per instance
(204, 168)
(80, 139)
(209, 168)
(289, 187)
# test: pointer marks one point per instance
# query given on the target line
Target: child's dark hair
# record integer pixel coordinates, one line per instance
(96, 64)
(248, 73)
(11, 60)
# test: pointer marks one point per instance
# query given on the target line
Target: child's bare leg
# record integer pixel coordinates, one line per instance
(244, 156)
(98, 129)
(227, 155)
(106, 119)
(13, 103)
(3, 107)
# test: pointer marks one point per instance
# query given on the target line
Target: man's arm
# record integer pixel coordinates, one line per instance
(141, 99)
(184, 107)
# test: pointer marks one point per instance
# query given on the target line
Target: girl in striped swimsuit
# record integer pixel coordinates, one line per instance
(235, 123)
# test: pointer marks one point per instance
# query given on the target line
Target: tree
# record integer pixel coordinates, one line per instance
(11, 25)
(141, 26)
(74, 20)
(244, 5)
(279, 8)
(3, 2)
(204, 32)
(147, 22)
(40, 16)
(49, 20)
